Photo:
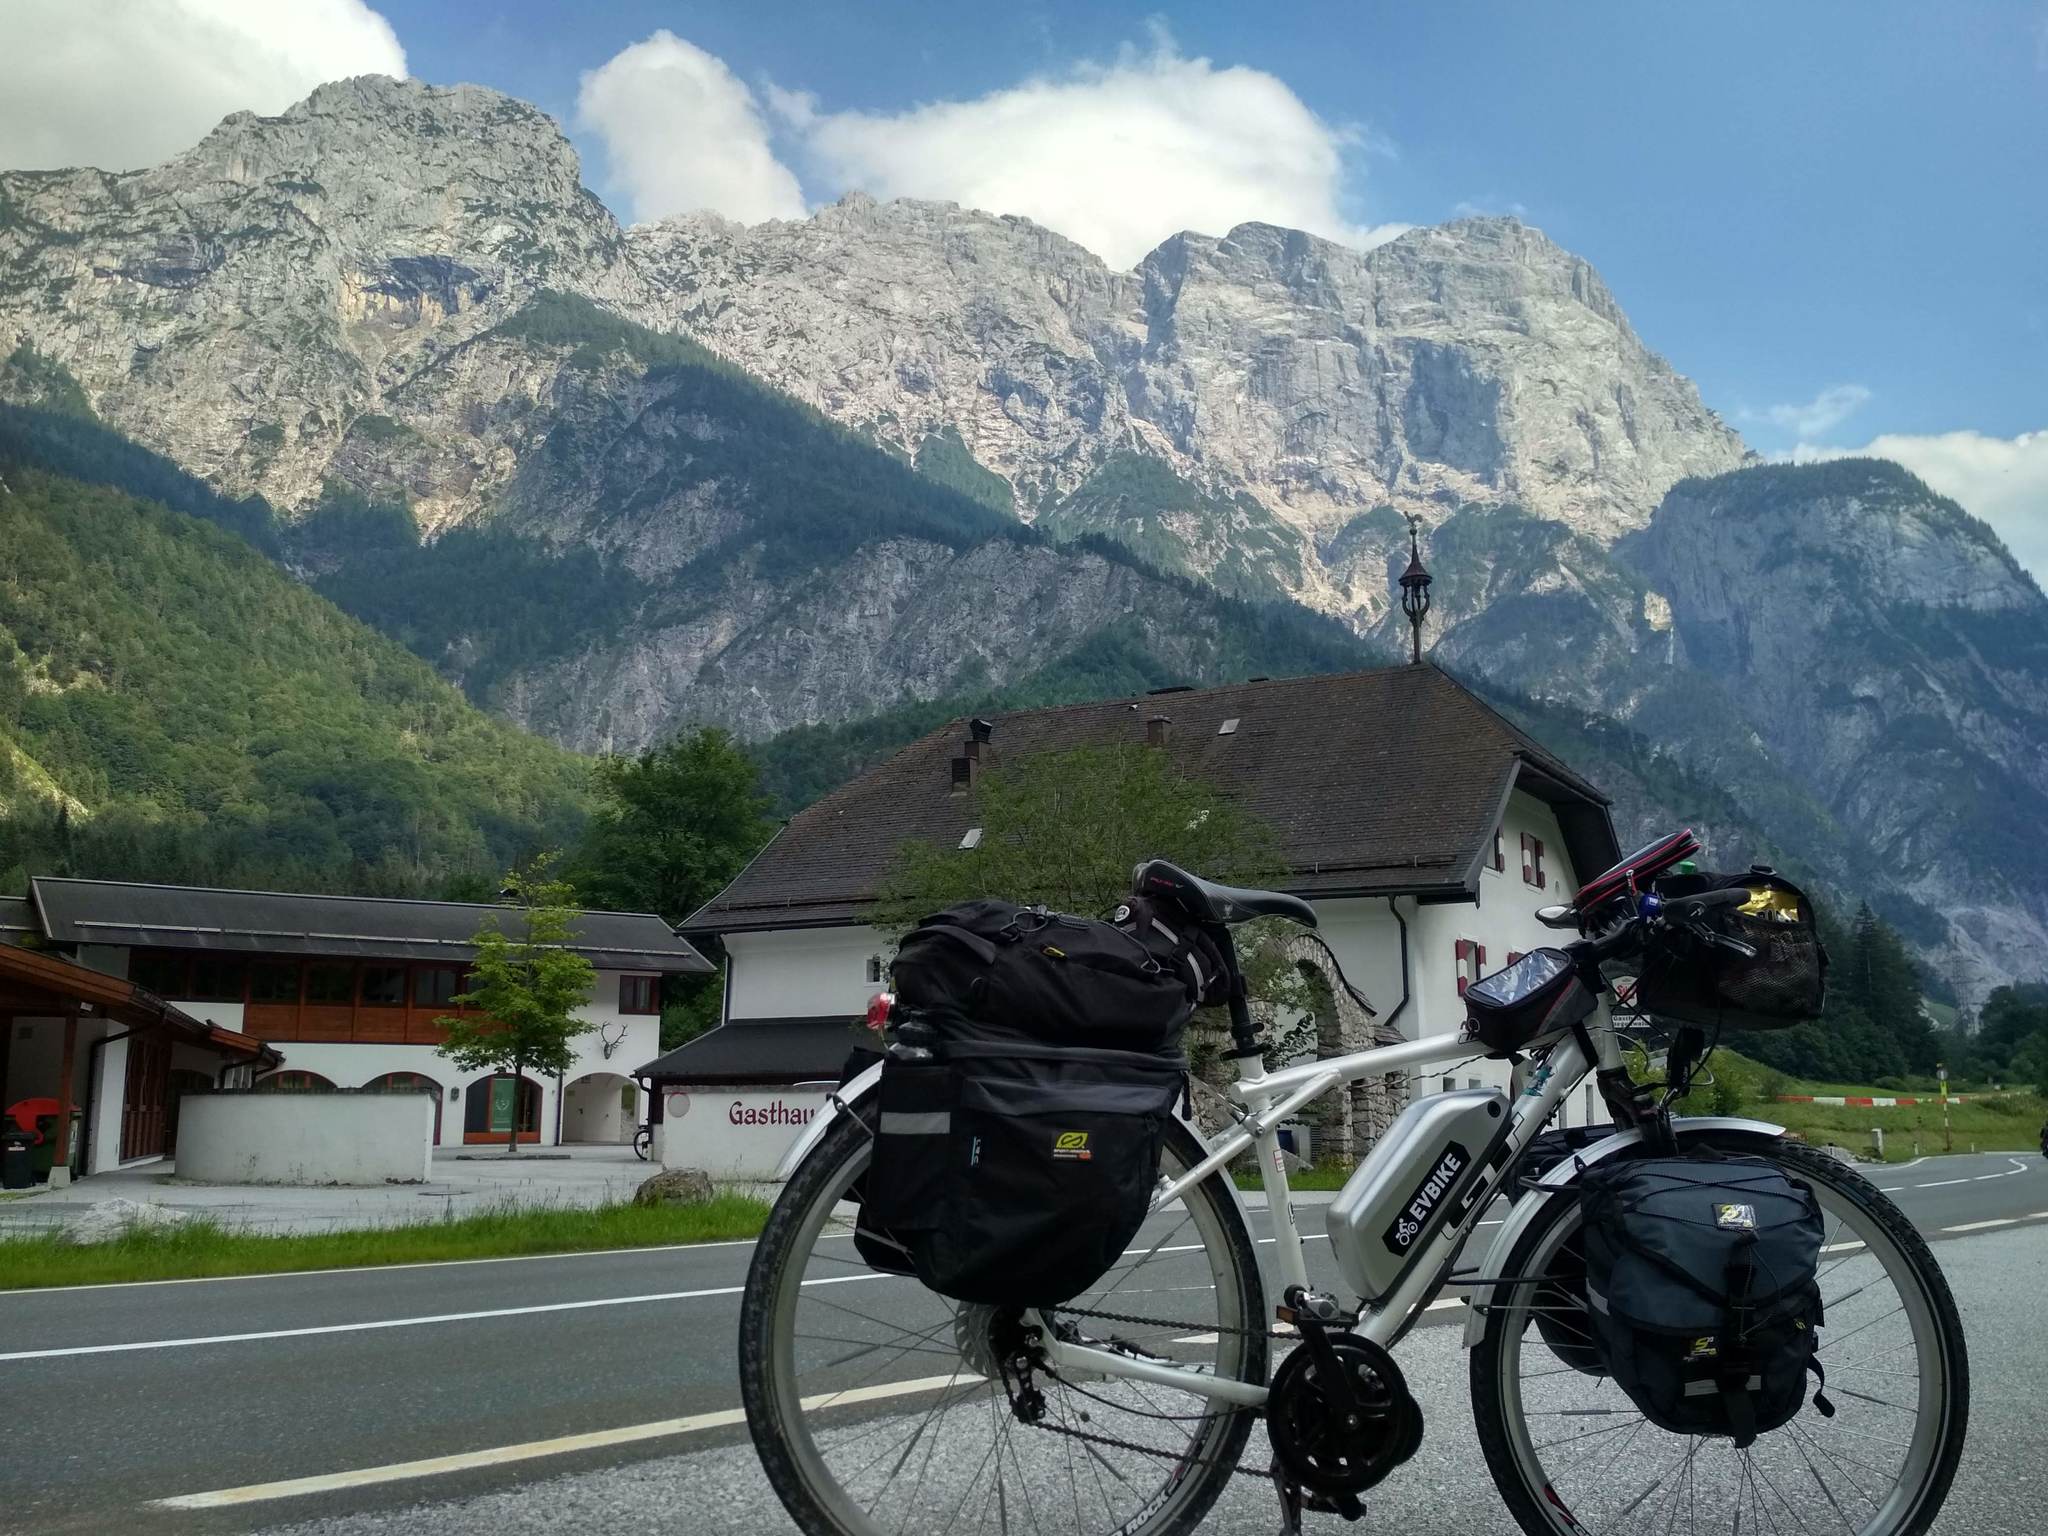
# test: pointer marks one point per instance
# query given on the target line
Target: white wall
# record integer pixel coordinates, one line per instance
(594, 1109)
(732, 1133)
(305, 1138)
(348, 1064)
(803, 973)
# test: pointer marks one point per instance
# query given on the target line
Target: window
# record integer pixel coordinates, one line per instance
(1449, 1084)
(331, 983)
(1471, 1082)
(639, 994)
(1532, 861)
(383, 986)
(874, 970)
(1471, 963)
(154, 971)
(275, 981)
(1500, 850)
(436, 987)
(218, 980)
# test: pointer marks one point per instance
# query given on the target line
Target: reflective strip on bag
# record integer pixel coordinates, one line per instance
(936, 1122)
(1710, 1388)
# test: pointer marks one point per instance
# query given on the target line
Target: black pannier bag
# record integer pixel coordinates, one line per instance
(1715, 988)
(1702, 1289)
(1538, 995)
(1033, 1062)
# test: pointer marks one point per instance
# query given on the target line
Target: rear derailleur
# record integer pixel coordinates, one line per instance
(1339, 1414)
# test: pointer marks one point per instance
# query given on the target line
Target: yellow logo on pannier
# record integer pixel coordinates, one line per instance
(1071, 1144)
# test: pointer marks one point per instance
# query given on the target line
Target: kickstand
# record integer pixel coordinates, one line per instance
(1290, 1502)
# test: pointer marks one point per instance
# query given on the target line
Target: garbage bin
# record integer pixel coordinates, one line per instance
(17, 1158)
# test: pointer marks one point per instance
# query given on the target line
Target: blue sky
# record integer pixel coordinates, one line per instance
(1833, 216)
(1786, 199)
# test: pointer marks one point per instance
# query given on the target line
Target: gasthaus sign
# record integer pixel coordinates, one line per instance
(735, 1133)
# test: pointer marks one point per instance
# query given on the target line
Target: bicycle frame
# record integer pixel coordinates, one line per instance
(1263, 1100)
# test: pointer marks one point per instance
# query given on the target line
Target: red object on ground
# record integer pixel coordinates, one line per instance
(24, 1113)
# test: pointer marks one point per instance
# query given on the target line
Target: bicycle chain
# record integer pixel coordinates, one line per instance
(1238, 1469)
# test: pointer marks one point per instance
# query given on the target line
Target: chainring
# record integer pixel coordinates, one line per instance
(1322, 1448)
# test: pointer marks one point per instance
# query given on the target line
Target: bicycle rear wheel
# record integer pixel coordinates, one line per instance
(1571, 1454)
(878, 1407)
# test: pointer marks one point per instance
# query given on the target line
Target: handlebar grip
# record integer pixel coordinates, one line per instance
(1692, 906)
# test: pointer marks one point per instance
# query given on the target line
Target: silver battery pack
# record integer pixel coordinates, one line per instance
(1397, 1199)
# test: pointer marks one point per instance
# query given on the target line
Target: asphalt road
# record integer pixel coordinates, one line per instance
(141, 1393)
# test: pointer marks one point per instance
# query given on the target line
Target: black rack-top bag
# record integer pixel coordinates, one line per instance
(1033, 1060)
(1702, 1290)
(1717, 988)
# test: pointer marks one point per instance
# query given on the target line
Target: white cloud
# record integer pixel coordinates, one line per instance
(2003, 480)
(682, 132)
(1116, 156)
(126, 83)
(1823, 413)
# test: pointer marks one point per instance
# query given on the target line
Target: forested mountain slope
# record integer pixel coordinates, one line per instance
(172, 705)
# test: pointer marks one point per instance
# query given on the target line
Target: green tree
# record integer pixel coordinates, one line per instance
(525, 988)
(672, 825)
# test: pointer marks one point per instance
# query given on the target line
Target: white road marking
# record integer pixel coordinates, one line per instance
(1979, 1226)
(1841, 1247)
(372, 1269)
(436, 1466)
(1941, 1183)
(405, 1322)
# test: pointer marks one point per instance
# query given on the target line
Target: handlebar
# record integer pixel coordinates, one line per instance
(1686, 912)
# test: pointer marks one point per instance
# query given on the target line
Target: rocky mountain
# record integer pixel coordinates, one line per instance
(611, 481)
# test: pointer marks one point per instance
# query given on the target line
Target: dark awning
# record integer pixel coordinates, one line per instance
(299, 923)
(767, 1051)
(32, 982)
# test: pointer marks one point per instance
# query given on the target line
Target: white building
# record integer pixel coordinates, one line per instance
(1425, 828)
(347, 990)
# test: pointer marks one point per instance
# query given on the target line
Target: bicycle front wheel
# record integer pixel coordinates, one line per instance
(879, 1407)
(1570, 1453)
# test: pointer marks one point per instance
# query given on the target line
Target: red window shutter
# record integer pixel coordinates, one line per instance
(1514, 955)
(1479, 954)
(1539, 860)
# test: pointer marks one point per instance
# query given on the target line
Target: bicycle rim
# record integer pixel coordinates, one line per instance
(1589, 1461)
(885, 1412)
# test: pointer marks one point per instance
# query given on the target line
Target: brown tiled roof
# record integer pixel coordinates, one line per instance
(1376, 783)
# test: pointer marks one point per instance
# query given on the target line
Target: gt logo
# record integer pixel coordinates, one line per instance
(1072, 1144)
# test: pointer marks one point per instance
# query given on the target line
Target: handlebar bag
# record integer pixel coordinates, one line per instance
(1125, 985)
(1702, 1290)
(1540, 994)
(1011, 1171)
(1703, 984)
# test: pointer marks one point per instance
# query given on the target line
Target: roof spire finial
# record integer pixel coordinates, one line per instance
(1415, 586)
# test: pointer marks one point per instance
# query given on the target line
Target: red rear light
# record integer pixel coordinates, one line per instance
(878, 1010)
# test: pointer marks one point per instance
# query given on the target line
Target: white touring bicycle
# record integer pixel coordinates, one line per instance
(1187, 1376)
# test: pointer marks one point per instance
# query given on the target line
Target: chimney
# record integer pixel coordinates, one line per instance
(1157, 729)
(963, 774)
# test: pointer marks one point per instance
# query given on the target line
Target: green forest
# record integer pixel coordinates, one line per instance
(175, 707)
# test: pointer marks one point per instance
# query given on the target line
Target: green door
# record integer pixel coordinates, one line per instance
(504, 1094)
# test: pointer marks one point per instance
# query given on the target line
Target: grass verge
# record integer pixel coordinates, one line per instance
(202, 1249)
(2008, 1124)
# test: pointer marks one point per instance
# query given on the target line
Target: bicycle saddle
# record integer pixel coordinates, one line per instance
(1208, 902)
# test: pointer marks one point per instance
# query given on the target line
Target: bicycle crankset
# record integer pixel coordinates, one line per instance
(1340, 1415)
